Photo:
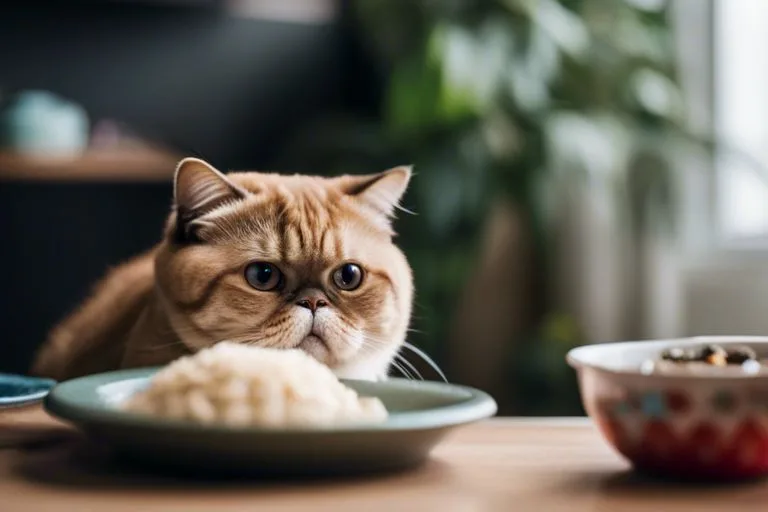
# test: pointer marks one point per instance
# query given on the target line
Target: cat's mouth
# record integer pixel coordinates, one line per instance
(315, 346)
(312, 338)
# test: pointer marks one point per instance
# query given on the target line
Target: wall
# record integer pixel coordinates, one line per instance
(220, 86)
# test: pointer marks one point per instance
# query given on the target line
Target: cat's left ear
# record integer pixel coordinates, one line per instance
(199, 188)
(382, 191)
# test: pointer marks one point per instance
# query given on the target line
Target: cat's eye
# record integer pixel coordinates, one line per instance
(348, 276)
(263, 276)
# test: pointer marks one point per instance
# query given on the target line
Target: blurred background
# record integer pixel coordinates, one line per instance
(585, 170)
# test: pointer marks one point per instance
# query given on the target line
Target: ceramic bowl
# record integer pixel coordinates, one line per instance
(712, 427)
(420, 415)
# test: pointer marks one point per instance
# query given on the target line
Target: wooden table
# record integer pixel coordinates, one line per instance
(537, 465)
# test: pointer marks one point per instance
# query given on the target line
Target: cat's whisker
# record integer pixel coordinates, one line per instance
(369, 345)
(426, 359)
(376, 341)
(375, 344)
(400, 361)
(402, 370)
(405, 210)
(405, 362)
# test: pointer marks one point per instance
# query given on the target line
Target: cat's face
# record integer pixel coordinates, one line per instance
(288, 261)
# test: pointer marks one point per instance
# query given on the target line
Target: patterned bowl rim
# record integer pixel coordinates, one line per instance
(585, 357)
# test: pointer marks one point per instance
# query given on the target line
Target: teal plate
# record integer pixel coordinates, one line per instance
(18, 390)
(420, 414)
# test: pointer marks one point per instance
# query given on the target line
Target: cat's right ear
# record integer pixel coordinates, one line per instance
(199, 188)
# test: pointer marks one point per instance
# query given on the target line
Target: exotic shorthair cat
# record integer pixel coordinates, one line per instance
(262, 259)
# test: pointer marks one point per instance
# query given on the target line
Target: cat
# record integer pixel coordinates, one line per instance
(256, 258)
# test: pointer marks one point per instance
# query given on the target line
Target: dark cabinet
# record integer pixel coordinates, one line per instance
(58, 237)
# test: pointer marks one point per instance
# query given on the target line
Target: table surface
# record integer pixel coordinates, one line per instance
(502, 464)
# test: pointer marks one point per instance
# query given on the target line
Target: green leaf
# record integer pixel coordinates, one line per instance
(657, 94)
(472, 65)
(565, 28)
(412, 100)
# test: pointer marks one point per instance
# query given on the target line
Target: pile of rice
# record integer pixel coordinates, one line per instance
(238, 385)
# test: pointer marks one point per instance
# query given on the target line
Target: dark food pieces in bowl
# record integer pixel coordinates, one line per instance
(710, 354)
(705, 418)
(705, 358)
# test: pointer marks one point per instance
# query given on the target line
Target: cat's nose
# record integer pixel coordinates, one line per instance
(312, 300)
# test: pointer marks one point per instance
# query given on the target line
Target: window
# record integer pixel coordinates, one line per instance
(740, 51)
(724, 281)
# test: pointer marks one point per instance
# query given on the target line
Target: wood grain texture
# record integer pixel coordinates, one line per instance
(502, 464)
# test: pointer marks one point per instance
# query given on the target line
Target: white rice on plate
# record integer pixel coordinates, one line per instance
(239, 385)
